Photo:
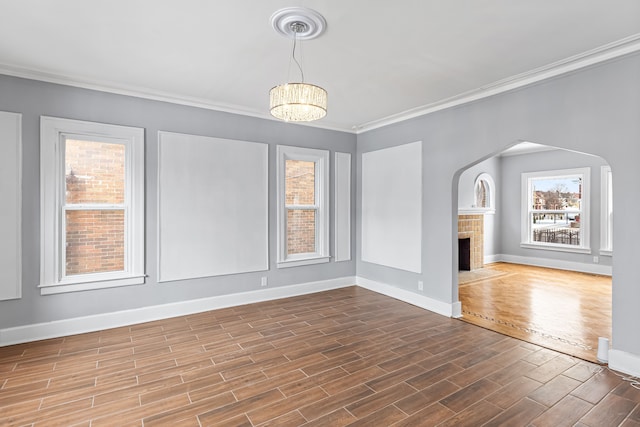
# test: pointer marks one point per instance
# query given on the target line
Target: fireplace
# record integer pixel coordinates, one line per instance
(470, 242)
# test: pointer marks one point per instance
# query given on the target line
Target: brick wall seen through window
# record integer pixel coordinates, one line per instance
(300, 191)
(94, 207)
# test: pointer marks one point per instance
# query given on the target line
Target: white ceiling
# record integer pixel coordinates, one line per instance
(379, 60)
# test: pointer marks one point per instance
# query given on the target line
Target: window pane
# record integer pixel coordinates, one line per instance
(95, 241)
(561, 193)
(300, 182)
(301, 231)
(561, 228)
(482, 194)
(94, 172)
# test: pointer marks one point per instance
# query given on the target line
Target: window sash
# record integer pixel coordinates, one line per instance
(581, 232)
(560, 230)
(104, 275)
(316, 231)
(62, 232)
(556, 226)
(302, 207)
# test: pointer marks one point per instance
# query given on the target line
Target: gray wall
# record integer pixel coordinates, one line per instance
(511, 205)
(33, 99)
(467, 200)
(594, 110)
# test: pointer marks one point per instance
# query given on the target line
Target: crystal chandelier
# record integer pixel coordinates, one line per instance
(298, 101)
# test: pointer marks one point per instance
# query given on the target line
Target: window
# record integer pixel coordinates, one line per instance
(606, 215)
(92, 201)
(303, 218)
(556, 210)
(484, 192)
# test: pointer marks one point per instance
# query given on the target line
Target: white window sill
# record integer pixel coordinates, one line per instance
(558, 248)
(305, 261)
(90, 286)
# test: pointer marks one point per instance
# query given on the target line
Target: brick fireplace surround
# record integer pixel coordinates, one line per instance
(472, 227)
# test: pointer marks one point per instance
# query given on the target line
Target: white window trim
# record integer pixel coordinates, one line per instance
(52, 133)
(525, 225)
(321, 158)
(606, 208)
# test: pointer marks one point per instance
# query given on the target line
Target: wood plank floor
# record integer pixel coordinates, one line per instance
(563, 310)
(342, 357)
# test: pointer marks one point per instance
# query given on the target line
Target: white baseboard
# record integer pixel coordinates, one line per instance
(456, 309)
(622, 361)
(618, 360)
(421, 301)
(79, 325)
(582, 267)
(488, 259)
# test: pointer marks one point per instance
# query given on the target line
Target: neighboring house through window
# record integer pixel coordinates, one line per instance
(555, 210)
(303, 215)
(92, 201)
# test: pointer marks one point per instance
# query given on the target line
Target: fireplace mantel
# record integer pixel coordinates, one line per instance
(475, 211)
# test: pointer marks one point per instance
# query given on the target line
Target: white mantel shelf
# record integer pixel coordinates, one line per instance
(475, 211)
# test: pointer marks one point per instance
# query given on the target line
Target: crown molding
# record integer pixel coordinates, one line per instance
(120, 89)
(144, 93)
(604, 53)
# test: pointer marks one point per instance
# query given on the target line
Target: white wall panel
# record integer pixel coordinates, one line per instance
(212, 206)
(343, 207)
(392, 207)
(10, 214)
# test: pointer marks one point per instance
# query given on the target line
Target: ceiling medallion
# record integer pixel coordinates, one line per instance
(314, 23)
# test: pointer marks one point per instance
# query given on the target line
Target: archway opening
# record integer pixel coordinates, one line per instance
(539, 220)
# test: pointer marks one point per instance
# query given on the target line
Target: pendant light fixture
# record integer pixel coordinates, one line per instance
(298, 101)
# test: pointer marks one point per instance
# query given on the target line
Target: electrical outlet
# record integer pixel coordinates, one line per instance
(596, 260)
(420, 285)
(263, 281)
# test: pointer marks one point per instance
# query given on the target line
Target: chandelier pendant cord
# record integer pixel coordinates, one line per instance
(293, 56)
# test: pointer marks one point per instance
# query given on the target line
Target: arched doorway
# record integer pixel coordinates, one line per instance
(542, 269)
